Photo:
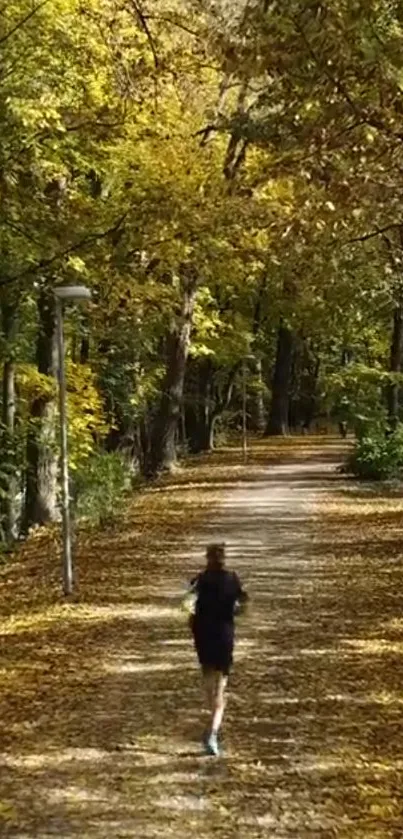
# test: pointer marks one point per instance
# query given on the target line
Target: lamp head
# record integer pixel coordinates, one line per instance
(72, 293)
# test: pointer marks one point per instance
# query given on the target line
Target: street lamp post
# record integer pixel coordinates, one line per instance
(65, 294)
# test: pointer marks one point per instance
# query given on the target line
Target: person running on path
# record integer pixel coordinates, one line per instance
(219, 595)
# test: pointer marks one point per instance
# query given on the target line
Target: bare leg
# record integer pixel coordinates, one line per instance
(219, 701)
(209, 683)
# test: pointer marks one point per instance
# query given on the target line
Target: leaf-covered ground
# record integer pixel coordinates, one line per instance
(100, 700)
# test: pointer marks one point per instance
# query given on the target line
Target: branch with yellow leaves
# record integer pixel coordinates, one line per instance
(20, 23)
(44, 264)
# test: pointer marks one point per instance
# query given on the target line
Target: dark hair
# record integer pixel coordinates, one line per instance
(215, 554)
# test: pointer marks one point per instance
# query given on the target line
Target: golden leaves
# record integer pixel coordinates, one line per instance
(99, 703)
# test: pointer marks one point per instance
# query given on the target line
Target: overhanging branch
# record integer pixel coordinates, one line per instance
(361, 114)
(142, 18)
(172, 22)
(44, 264)
(379, 231)
(22, 22)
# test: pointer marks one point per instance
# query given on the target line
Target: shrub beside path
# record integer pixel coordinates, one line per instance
(100, 699)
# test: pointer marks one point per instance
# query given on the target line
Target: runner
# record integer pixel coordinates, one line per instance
(219, 595)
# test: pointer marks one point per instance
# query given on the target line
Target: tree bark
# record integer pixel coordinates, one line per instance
(207, 407)
(198, 404)
(304, 386)
(311, 402)
(84, 341)
(202, 436)
(278, 417)
(42, 449)
(9, 395)
(392, 391)
(162, 451)
(10, 486)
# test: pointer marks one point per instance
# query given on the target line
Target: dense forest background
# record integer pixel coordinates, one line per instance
(226, 178)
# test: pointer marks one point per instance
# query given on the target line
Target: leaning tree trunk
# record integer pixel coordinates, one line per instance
(42, 450)
(9, 476)
(162, 451)
(392, 391)
(278, 418)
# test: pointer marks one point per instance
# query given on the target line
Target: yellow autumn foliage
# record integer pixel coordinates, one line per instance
(87, 421)
(86, 417)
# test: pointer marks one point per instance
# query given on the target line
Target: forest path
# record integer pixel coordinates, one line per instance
(103, 739)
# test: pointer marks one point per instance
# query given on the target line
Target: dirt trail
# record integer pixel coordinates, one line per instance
(120, 756)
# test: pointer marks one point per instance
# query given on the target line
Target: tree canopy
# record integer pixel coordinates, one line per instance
(226, 180)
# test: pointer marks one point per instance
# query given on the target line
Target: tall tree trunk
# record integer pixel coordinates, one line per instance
(278, 418)
(311, 401)
(258, 410)
(84, 341)
(202, 434)
(392, 391)
(304, 388)
(162, 452)
(42, 449)
(210, 404)
(199, 404)
(84, 350)
(10, 478)
(203, 438)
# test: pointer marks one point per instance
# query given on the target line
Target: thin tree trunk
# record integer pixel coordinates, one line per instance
(144, 439)
(223, 402)
(211, 432)
(84, 342)
(183, 438)
(42, 449)
(312, 400)
(9, 395)
(9, 322)
(199, 404)
(162, 454)
(203, 426)
(258, 410)
(392, 391)
(278, 418)
(10, 505)
(203, 434)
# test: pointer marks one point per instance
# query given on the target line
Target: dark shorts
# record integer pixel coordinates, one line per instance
(214, 642)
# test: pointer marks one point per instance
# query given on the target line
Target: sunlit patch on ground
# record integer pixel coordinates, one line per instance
(53, 759)
(142, 667)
